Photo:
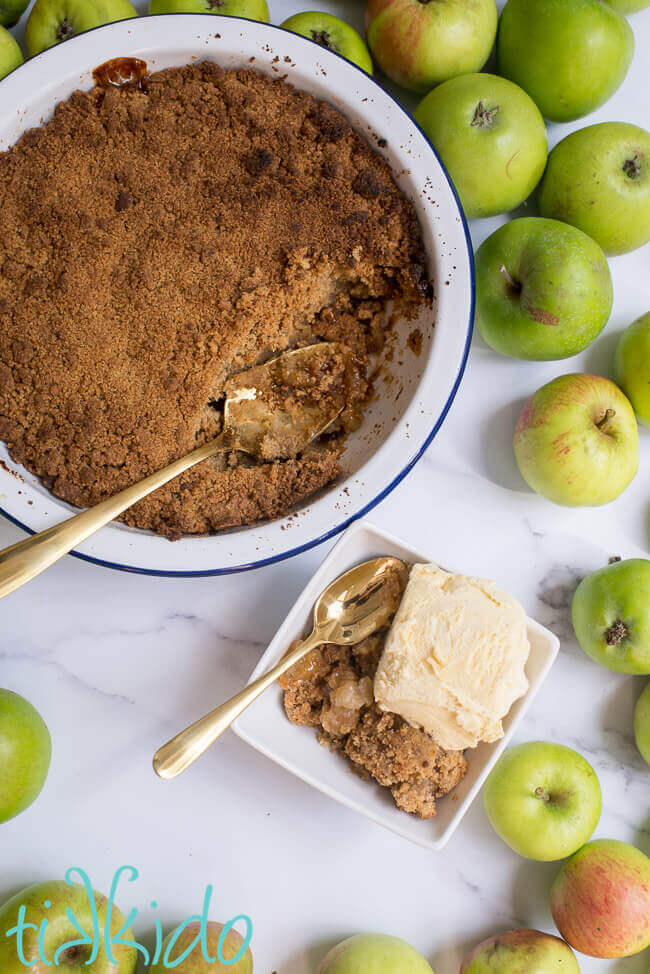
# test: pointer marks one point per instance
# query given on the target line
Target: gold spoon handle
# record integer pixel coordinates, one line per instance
(21, 562)
(177, 755)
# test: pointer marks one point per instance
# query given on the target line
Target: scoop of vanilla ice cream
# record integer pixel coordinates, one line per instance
(454, 659)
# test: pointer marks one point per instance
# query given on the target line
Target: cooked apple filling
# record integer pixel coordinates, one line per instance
(331, 689)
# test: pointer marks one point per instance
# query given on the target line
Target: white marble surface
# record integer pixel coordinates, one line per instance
(117, 663)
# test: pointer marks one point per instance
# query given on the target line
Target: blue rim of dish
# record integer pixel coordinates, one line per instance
(308, 545)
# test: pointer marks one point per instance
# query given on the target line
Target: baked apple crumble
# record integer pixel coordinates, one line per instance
(158, 238)
(331, 689)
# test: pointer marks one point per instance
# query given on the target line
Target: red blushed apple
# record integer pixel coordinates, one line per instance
(576, 441)
(420, 43)
(600, 900)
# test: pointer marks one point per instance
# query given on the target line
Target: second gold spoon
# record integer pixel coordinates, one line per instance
(352, 607)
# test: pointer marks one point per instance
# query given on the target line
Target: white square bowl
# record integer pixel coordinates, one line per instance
(264, 725)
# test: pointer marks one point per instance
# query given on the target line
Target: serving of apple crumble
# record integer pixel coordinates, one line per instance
(331, 689)
(157, 238)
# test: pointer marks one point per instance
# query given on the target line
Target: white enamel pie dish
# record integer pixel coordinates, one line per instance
(396, 428)
(265, 726)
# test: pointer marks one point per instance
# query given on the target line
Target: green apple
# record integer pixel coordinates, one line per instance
(10, 54)
(11, 11)
(543, 289)
(611, 615)
(569, 55)
(53, 21)
(577, 442)
(374, 953)
(332, 33)
(632, 366)
(195, 962)
(598, 179)
(491, 139)
(51, 902)
(543, 799)
(251, 9)
(521, 952)
(25, 752)
(420, 43)
(600, 900)
(642, 724)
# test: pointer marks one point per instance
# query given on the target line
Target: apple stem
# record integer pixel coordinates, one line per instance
(631, 167)
(616, 633)
(609, 414)
(484, 117)
(542, 793)
(515, 285)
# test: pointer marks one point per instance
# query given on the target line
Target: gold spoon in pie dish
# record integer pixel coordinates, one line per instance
(269, 412)
(352, 607)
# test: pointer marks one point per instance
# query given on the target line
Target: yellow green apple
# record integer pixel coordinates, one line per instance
(543, 800)
(251, 9)
(600, 900)
(332, 33)
(51, 22)
(420, 43)
(569, 55)
(632, 366)
(52, 903)
(611, 615)
(543, 289)
(642, 724)
(25, 752)
(598, 179)
(219, 947)
(374, 953)
(521, 952)
(576, 441)
(10, 54)
(491, 139)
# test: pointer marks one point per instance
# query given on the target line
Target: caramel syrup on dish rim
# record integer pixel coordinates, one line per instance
(122, 72)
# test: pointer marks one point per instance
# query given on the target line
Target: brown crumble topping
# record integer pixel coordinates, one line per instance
(155, 240)
(331, 689)
(414, 342)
